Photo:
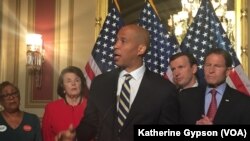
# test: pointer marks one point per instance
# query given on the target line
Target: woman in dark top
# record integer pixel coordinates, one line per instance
(16, 125)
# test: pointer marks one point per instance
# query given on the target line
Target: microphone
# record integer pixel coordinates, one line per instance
(109, 109)
(105, 115)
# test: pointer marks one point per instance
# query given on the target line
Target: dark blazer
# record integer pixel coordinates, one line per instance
(155, 103)
(233, 109)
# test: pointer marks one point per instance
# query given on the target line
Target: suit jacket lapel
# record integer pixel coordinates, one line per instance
(201, 102)
(139, 99)
(224, 106)
(197, 99)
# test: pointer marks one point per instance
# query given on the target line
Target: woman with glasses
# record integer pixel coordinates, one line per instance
(14, 123)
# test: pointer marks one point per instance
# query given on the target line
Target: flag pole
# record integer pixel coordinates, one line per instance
(117, 5)
(153, 6)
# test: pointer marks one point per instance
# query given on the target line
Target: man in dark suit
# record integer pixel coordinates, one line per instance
(152, 98)
(217, 103)
(184, 68)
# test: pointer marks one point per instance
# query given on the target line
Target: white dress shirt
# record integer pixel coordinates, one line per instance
(134, 82)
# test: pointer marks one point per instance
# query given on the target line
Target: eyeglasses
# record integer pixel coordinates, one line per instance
(14, 94)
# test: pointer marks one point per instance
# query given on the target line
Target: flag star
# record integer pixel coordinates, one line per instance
(161, 49)
(155, 63)
(206, 26)
(162, 57)
(199, 23)
(155, 70)
(107, 22)
(113, 32)
(197, 32)
(189, 36)
(97, 50)
(188, 45)
(204, 42)
(205, 34)
(104, 52)
(105, 37)
(103, 60)
(106, 29)
(162, 65)
(200, 15)
(211, 38)
(196, 40)
(223, 43)
(104, 45)
(200, 66)
(112, 40)
(110, 63)
(114, 16)
(191, 28)
(149, 13)
(98, 42)
(201, 58)
(207, 19)
(114, 24)
(167, 36)
(202, 50)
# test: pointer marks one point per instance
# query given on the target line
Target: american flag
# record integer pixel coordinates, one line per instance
(102, 59)
(162, 44)
(206, 32)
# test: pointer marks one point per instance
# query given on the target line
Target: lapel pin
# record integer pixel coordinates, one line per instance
(227, 100)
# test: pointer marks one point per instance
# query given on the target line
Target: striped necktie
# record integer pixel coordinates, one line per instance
(124, 106)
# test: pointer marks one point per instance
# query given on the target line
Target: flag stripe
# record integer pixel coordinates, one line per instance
(243, 77)
(89, 71)
(237, 81)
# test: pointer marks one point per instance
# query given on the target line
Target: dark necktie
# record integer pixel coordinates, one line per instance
(124, 106)
(213, 105)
